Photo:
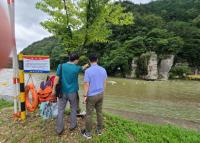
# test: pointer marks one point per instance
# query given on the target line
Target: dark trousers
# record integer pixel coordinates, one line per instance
(78, 104)
(94, 102)
(62, 102)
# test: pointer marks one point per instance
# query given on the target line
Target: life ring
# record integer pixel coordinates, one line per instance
(31, 106)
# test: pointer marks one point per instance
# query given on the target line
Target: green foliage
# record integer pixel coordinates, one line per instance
(58, 55)
(43, 47)
(84, 21)
(4, 104)
(135, 46)
(163, 42)
(119, 56)
(196, 21)
(118, 130)
(180, 71)
(49, 46)
(107, 28)
(183, 10)
(117, 61)
(167, 27)
(150, 21)
(83, 60)
(191, 36)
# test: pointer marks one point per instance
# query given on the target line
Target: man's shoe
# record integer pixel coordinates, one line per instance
(85, 134)
(98, 132)
(60, 133)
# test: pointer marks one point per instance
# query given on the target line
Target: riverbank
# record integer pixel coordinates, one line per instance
(193, 77)
(117, 130)
(175, 102)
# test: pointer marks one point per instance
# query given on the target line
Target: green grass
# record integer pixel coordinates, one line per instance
(123, 131)
(117, 130)
(4, 104)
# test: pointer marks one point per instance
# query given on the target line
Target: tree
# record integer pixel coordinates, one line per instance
(107, 28)
(163, 42)
(82, 22)
(117, 61)
(191, 36)
(196, 21)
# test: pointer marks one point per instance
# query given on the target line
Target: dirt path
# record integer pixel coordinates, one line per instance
(139, 117)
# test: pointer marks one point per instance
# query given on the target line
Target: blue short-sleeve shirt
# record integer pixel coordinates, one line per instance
(69, 77)
(95, 76)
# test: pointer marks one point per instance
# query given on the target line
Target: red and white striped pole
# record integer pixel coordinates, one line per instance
(11, 9)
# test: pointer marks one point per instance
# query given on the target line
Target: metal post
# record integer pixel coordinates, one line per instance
(22, 88)
(11, 8)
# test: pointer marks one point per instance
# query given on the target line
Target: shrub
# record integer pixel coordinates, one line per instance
(83, 60)
(180, 71)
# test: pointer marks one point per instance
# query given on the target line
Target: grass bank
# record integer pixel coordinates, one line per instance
(124, 131)
(4, 104)
(193, 77)
(117, 130)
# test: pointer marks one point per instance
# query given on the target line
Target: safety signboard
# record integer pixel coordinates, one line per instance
(36, 64)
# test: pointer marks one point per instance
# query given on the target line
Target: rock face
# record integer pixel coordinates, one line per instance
(153, 73)
(152, 67)
(133, 69)
(165, 67)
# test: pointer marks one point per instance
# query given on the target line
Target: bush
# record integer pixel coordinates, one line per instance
(180, 71)
(83, 60)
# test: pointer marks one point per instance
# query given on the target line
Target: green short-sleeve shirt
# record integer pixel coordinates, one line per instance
(69, 77)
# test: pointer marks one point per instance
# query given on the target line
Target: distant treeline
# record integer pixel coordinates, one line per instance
(163, 26)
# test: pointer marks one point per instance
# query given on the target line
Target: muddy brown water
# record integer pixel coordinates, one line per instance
(165, 102)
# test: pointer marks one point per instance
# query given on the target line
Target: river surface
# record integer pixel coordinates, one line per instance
(137, 99)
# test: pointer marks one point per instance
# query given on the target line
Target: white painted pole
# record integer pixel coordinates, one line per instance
(11, 8)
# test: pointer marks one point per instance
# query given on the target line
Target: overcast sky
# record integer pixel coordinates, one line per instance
(28, 18)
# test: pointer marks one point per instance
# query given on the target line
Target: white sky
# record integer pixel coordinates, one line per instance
(28, 18)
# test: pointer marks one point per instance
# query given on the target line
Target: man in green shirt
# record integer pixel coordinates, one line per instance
(70, 87)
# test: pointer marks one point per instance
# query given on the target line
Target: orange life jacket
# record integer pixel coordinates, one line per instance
(45, 91)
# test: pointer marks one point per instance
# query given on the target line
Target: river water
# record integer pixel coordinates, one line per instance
(173, 99)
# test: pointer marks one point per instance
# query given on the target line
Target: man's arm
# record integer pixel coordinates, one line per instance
(86, 85)
(85, 66)
(54, 85)
(86, 88)
(85, 92)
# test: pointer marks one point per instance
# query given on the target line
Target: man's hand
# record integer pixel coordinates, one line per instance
(85, 66)
(85, 91)
(84, 99)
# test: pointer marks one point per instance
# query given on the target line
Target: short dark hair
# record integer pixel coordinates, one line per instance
(73, 57)
(93, 58)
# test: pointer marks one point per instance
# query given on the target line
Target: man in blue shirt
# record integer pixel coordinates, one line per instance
(70, 87)
(94, 85)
